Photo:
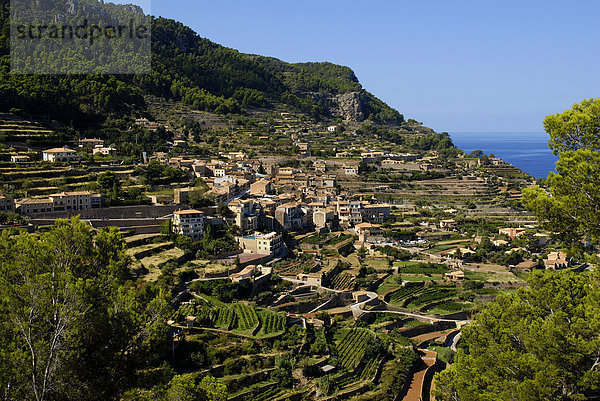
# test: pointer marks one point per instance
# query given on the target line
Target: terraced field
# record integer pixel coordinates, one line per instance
(222, 317)
(146, 250)
(243, 318)
(271, 323)
(246, 318)
(418, 297)
(352, 348)
(342, 281)
(14, 129)
(270, 394)
(450, 189)
(356, 370)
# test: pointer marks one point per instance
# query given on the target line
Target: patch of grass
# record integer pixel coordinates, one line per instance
(406, 263)
(337, 240)
(390, 283)
(444, 354)
(450, 306)
(441, 248)
(414, 277)
(313, 239)
(162, 257)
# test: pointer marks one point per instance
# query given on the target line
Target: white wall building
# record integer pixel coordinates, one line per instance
(59, 155)
(189, 223)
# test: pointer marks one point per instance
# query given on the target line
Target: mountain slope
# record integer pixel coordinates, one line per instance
(190, 69)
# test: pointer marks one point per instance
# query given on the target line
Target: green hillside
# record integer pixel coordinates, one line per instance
(189, 69)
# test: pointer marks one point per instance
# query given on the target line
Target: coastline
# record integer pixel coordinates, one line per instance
(527, 151)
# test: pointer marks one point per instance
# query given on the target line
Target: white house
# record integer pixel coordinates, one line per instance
(189, 223)
(350, 170)
(59, 155)
(105, 151)
(265, 244)
(19, 158)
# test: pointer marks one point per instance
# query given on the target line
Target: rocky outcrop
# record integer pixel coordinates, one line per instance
(349, 106)
(73, 6)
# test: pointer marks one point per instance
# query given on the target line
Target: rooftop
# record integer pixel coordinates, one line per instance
(59, 150)
(188, 211)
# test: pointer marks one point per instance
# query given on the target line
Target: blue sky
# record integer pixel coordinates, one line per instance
(454, 65)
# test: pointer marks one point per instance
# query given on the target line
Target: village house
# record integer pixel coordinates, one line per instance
(59, 155)
(394, 164)
(20, 159)
(60, 202)
(304, 148)
(32, 207)
(105, 151)
(320, 166)
(181, 162)
(557, 260)
(262, 187)
(181, 196)
(315, 278)
(448, 224)
(246, 214)
(375, 213)
(69, 201)
(7, 204)
(223, 171)
(150, 125)
(290, 216)
(286, 171)
(235, 155)
(91, 143)
(350, 170)
(459, 253)
(373, 154)
(189, 223)
(160, 157)
(261, 244)
(200, 170)
(223, 193)
(512, 232)
(458, 275)
(365, 228)
(324, 219)
(349, 212)
(284, 198)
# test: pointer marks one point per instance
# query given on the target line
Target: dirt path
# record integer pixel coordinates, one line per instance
(416, 386)
(430, 336)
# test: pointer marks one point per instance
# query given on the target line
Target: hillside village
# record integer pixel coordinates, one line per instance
(295, 224)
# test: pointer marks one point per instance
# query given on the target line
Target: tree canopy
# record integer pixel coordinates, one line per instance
(71, 327)
(542, 343)
(570, 205)
(577, 128)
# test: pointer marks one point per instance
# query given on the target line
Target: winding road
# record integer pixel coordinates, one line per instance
(357, 307)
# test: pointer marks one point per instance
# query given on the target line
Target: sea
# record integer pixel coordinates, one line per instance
(527, 151)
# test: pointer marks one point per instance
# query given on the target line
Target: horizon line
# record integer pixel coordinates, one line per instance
(497, 132)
